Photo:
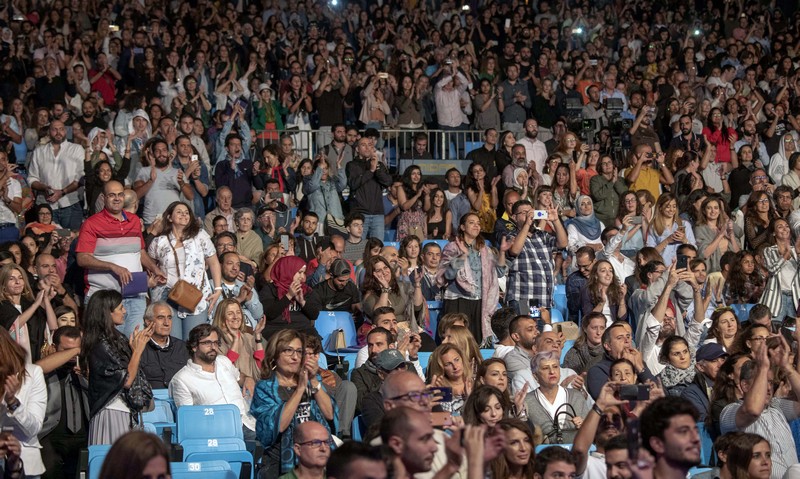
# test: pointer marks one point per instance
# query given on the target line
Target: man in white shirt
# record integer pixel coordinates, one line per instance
(55, 170)
(612, 239)
(210, 378)
(535, 150)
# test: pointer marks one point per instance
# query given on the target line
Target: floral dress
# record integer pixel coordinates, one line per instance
(487, 214)
(413, 221)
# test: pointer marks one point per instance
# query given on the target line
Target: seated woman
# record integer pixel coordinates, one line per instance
(448, 367)
(714, 233)
(558, 410)
(724, 328)
(588, 348)
(679, 368)
(750, 455)
(243, 348)
(448, 320)
(603, 293)
(634, 236)
(284, 299)
(750, 339)
(486, 405)
(493, 372)
(516, 460)
(381, 288)
(725, 391)
(286, 396)
(463, 339)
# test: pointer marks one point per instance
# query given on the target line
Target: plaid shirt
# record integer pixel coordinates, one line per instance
(530, 275)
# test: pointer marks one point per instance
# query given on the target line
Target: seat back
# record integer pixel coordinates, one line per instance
(706, 443)
(434, 308)
(229, 449)
(742, 311)
(329, 321)
(97, 454)
(218, 421)
(202, 470)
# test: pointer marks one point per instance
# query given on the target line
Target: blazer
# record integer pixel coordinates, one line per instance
(774, 262)
(27, 420)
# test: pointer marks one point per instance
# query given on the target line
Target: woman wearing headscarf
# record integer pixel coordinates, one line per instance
(284, 299)
(779, 162)
(585, 228)
(139, 131)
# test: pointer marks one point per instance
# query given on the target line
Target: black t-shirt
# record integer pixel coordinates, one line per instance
(326, 298)
(329, 107)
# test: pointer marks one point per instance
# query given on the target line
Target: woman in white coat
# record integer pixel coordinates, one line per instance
(24, 401)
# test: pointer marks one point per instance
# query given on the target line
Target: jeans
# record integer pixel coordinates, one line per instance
(69, 217)
(182, 326)
(788, 307)
(134, 314)
(9, 233)
(373, 227)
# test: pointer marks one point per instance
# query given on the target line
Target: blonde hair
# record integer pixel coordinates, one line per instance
(436, 363)
(5, 275)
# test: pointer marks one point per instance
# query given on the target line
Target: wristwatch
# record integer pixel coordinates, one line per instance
(315, 390)
(13, 406)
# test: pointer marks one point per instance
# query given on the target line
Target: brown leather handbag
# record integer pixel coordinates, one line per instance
(185, 294)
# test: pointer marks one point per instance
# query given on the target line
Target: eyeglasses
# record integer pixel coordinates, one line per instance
(317, 443)
(414, 396)
(216, 343)
(289, 352)
(760, 178)
(764, 200)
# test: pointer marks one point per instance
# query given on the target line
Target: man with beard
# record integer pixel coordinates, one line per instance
(709, 358)
(186, 127)
(240, 290)
(312, 448)
(66, 423)
(566, 91)
(384, 317)
(485, 155)
(688, 140)
(515, 97)
(524, 332)
(55, 170)
(367, 176)
(593, 109)
(195, 173)
(89, 118)
(160, 183)
(338, 292)
(669, 432)
(535, 149)
(210, 378)
(602, 425)
(383, 359)
(750, 136)
(576, 282)
(338, 147)
(409, 437)
(617, 342)
(518, 160)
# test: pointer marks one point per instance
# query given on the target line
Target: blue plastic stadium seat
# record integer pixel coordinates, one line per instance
(202, 470)
(232, 450)
(329, 321)
(698, 470)
(201, 422)
(423, 359)
(542, 447)
(358, 429)
(706, 443)
(487, 353)
(389, 235)
(396, 244)
(97, 455)
(567, 346)
(161, 417)
(471, 145)
(161, 394)
(742, 311)
(556, 316)
(560, 299)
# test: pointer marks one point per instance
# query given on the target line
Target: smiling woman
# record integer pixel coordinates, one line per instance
(240, 346)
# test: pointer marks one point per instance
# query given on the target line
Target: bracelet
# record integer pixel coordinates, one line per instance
(218, 288)
(597, 409)
(259, 340)
(386, 290)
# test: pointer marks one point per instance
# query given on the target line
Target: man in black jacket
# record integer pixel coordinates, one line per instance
(369, 377)
(164, 354)
(367, 177)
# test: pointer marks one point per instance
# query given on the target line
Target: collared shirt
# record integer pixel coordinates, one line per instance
(536, 152)
(448, 106)
(57, 171)
(115, 241)
(14, 191)
(530, 276)
(194, 386)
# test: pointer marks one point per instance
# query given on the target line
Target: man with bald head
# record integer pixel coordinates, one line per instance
(111, 249)
(312, 448)
(56, 168)
(409, 437)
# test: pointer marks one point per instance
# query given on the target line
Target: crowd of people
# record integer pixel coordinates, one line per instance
(188, 188)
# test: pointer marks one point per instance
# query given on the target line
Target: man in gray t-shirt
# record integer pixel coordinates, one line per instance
(160, 183)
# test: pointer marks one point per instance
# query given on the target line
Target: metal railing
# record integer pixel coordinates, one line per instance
(396, 144)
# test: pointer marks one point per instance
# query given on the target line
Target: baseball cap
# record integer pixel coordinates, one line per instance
(262, 209)
(389, 359)
(710, 352)
(339, 267)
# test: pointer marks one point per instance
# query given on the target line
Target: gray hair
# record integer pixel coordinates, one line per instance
(537, 360)
(241, 212)
(151, 308)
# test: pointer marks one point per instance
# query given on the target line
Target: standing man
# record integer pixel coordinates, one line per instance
(186, 127)
(535, 149)
(55, 170)
(605, 189)
(160, 183)
(367, 177)
(234, 168)
(110, 249)
(487, 155)
(530, 277)
(515, 99)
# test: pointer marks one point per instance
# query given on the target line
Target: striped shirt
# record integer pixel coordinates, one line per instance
(115, 241)
(772, 425)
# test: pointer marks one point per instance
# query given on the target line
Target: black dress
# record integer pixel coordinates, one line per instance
(439, 227)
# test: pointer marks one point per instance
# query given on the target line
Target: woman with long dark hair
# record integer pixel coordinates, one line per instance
(749, 457)
(604, 294)
(290, 391)
(486, 405)
(413, 200)
(668, 230)
(381, 288)
(439, 216)
(482, 194)
(469, 272)
(183, 250)
(714, 233)
(516, 461)
(745, 282)
(759, 213)
(634, 235)
(116, 383)
(719, 135)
